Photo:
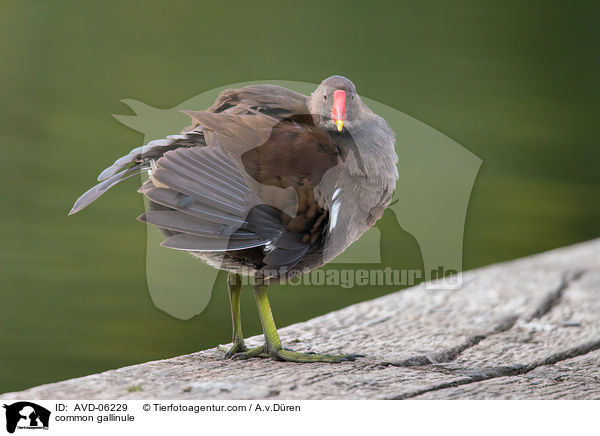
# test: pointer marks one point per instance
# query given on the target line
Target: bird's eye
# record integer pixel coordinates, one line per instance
(325, 97)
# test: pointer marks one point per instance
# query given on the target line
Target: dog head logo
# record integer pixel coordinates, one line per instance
(26, 415)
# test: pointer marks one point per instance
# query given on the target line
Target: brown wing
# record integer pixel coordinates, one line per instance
(251, 185)
(226, 185)
(272, 100)
(296, 156)
(268, 99)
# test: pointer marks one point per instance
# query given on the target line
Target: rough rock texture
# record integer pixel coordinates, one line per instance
(529, 328)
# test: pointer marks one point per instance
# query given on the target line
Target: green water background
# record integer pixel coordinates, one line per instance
(516, 83)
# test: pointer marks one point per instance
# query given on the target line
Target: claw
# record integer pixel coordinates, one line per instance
(235, 349)
(239, 356)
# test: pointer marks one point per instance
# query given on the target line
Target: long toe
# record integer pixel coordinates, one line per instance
(252, 352)
(293, 356)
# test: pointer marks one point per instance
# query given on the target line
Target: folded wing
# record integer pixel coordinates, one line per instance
(243, 180)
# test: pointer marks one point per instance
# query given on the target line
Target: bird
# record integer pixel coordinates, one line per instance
(267, 183)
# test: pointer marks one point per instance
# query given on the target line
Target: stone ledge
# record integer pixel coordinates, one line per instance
(528, 328)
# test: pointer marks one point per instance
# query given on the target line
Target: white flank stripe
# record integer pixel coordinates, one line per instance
(335, 193)
(335, 209)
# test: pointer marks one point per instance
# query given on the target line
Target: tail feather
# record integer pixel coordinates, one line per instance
(186, 204)
(133, 156)
(189, 242)
(135, 162)
(96, 191)
(181, 222)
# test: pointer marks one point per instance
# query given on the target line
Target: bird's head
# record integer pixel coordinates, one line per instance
(335, 104)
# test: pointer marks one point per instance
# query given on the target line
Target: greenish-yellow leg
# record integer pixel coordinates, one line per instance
(234, 286)
(272, 347)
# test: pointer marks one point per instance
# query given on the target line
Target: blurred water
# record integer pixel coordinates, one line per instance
(517, 84)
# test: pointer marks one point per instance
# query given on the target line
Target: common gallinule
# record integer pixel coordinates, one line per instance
(269, 183)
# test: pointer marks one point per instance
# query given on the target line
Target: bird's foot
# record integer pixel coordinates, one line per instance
(240, 352)
(250, 353)
(236, 348)
(294, 356)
